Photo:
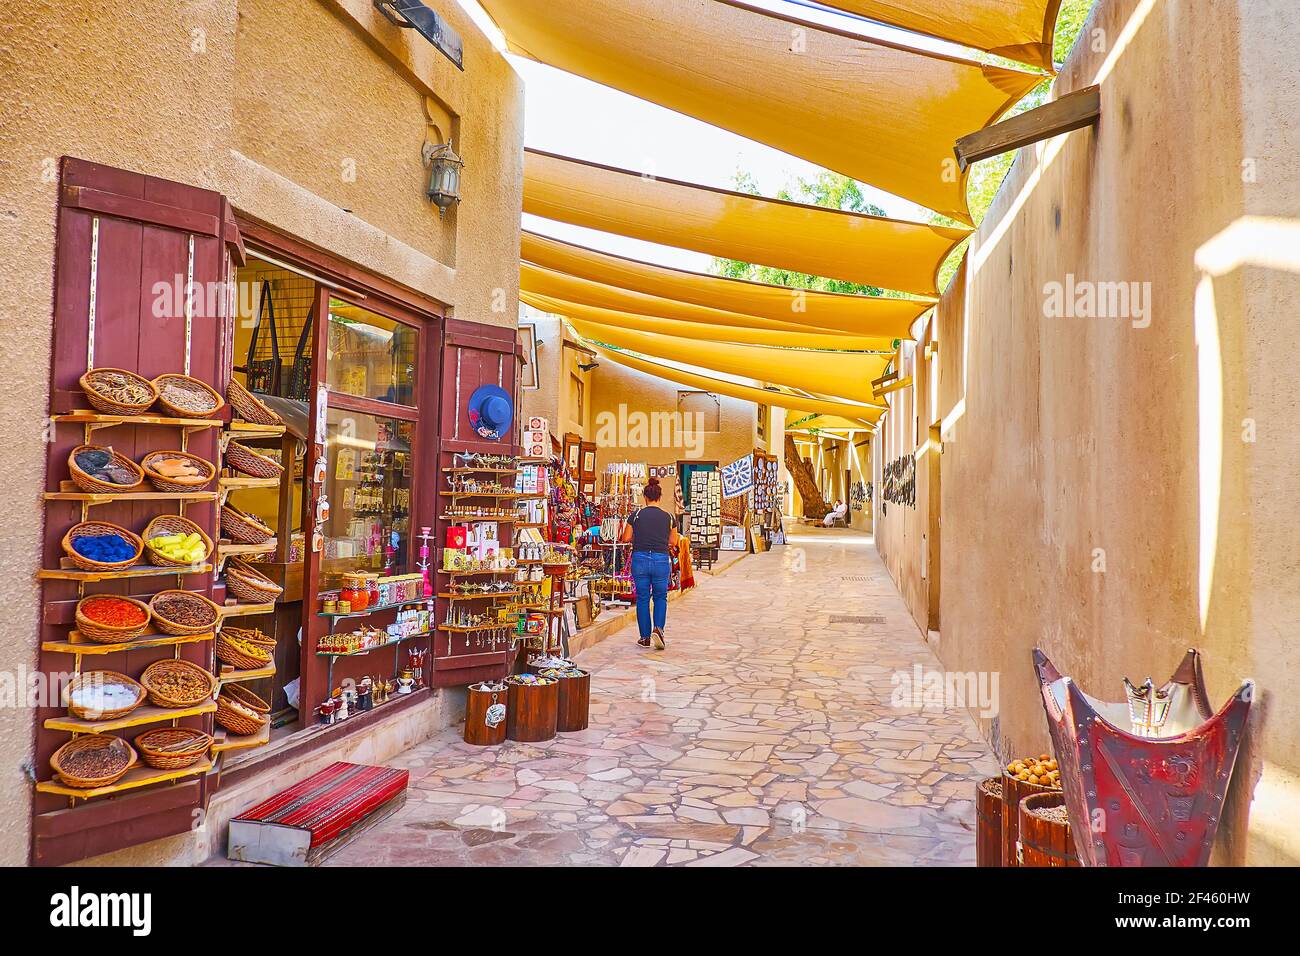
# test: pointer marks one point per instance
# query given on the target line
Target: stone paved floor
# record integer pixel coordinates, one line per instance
(763, 735)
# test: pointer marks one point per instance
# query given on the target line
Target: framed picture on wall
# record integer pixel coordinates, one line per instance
(528, 374)
(588, 461)
(572, 452)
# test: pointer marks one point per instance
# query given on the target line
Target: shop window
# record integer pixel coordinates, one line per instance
(371, 356)
(368, 480)
(702, 408)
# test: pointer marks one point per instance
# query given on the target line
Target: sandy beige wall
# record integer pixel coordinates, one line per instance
(186, 92)
(1117, 491)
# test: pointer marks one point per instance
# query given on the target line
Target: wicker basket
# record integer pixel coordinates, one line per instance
(97, 486)
(249, 584)
(249, 406)
(177, 629)
(100, 529)
(107, 633)
(127, 760)
(102, 403)
(165, 698)
(228, 652)
(218, 403)
(90, 678)
(172, 748)
(173, 524)
(182, 485)
(242, 458)
(241, 711)
(240, 526)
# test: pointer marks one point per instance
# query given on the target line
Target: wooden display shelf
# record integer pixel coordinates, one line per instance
(247, 610)
(480, 471)
(69, 572)
(227, 549)
(502, 519)
(250, 430)
(457, 629)
(76, 644)
(230, 675)
(68, 491)
(244, 482)
(375, 609)
(97, 420)
(144, 714)
(225, 740)
(462, 573)
(480, 596)
(538, 496)
(138, 776)
(478, 494)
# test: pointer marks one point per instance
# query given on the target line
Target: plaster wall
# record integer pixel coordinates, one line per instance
(1118, 489)
(262, 101)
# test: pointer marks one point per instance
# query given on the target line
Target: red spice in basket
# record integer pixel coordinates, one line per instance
(113, 612)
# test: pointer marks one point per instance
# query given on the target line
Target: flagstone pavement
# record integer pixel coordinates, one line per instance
(763, 735)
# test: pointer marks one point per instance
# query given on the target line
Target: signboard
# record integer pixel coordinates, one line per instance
(738, 477)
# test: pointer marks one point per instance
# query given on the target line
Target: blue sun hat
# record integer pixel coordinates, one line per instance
(491, 411)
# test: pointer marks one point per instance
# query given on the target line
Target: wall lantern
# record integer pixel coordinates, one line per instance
(444, 176)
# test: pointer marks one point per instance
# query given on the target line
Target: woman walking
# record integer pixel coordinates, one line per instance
(653, 537)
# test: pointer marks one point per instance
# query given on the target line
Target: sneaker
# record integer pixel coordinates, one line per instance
(657, 637)
(644, 642)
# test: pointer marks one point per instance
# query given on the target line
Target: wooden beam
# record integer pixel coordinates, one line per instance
(1072, 111)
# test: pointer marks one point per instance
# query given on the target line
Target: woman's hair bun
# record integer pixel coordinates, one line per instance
(653, 481)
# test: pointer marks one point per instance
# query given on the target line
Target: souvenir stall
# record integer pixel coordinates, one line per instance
(244, 530)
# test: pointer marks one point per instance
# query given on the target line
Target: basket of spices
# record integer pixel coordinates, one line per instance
(115, 391)
(110, 619)
(177, 683)
(242, 458)
(176, 542)
(187, 397)
(99, 470)
(241, 526)
(237, 650)
(181, 613)
(172, 748)
(248, 584)
(241, 711)
(101, 546)
(177, 471)
(250, 408)
(93, 760)
(102, 695)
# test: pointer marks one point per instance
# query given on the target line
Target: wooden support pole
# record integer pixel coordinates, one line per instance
(1072, 111)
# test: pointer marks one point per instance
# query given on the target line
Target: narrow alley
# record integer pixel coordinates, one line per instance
(764, 734)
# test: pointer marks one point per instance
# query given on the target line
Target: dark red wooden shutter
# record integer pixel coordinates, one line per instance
(473, 354)
(138, 243)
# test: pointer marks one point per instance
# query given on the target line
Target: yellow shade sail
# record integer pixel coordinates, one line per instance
(888, 253)
(879, 112)
(831, 422)
(843, 374)
(1016, 29)
(748, 393)
(699, 330)
(790, 308)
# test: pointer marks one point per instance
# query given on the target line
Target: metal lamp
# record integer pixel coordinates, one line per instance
(444, 176)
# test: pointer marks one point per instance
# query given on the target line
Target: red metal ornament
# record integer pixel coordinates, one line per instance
(1152, 798)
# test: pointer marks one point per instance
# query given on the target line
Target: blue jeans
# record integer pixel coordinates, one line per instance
(651, 571)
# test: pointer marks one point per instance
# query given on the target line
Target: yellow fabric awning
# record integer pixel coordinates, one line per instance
(888, 253)
(789, 308)
(879, 112)
(744, 335)
(1016, 29)
(843, 374)
(748, 393)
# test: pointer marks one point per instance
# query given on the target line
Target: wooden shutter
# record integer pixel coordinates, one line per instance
(128, 248)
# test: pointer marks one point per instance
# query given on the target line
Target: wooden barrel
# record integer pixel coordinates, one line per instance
(988, 822)
(1045, 841)
(574, 703)
(531, 711)
(485, 716)
(1013, 791)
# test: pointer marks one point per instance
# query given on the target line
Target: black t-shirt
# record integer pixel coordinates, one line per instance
(651, 530)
